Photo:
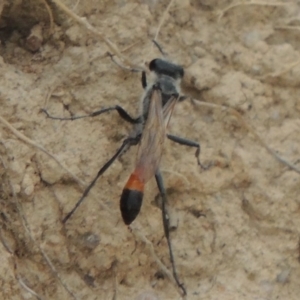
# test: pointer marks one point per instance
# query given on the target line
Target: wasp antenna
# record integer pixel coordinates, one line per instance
(159, 48)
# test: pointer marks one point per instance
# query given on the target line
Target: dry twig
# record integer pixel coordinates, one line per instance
(251, 130)
(50, 16)
(163, 18)
(221, 13)
(25, 139)
(111, 46)
(28, 231)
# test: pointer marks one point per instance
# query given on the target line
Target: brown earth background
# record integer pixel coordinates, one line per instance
(238, 223)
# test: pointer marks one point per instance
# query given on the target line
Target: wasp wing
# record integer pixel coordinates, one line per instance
(168, 109)
(149, 154)
(153, 135)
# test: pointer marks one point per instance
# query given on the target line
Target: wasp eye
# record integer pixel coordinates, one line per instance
(181, 72)
(153, 64)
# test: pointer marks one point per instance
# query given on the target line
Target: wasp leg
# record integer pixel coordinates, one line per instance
(162, 191)
(122, 112)
(189, 143)
(127, 143)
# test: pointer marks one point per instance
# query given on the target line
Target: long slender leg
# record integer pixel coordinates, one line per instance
(189, 143)
(122, 112)
(162, 190)
(127, 143)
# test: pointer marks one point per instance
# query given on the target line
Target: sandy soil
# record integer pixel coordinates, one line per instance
(238, 222)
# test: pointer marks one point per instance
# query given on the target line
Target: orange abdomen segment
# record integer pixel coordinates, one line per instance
(131, 198)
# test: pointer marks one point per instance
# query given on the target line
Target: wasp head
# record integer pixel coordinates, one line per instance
(163, 67)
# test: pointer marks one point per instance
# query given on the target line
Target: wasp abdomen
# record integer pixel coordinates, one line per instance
(131, 199)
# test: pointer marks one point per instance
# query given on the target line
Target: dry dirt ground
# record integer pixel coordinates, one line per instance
(238, 223)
